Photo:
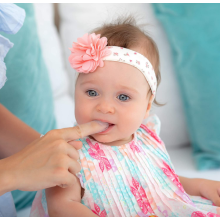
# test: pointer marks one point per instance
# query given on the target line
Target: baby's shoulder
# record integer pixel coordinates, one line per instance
(153, 123)
(150, 130)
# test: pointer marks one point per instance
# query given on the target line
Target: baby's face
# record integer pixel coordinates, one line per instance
(117, 94)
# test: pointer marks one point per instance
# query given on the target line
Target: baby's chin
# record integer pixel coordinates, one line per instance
(107, 140)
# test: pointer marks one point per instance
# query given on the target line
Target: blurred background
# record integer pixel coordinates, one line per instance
(40, 84)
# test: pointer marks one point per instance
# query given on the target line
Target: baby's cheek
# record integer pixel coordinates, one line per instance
(82, 112)
(131, 121)
(81, 115)
(125, 129)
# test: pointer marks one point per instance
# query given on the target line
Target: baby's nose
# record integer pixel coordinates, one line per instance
(105, 108)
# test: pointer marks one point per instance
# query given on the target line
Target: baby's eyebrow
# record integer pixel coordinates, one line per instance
(90, 81)
(129, 88)
(120, 86)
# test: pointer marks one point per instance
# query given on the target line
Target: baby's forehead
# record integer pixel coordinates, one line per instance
(114, 71)
(117, 75)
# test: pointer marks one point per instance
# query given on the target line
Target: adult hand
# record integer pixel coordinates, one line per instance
(48, 161)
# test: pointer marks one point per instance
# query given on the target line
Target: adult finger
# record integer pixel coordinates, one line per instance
(74, 167)
(80, 131)
(67, 179)
(72, 152)
(76, 144)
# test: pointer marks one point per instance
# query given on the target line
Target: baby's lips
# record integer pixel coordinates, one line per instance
(92, 127)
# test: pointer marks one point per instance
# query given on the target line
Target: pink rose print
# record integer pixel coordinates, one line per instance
(210, 214)
(138, 62)
(134, 147)
(198, 214)
(140, 196)
(98, 154)
(115, 54)
(126, 54)
(130, 60)
(147, 65)
(152, 134)
(97, 211)
(170, 173)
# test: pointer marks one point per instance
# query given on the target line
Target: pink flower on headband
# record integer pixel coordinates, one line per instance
(87, 53)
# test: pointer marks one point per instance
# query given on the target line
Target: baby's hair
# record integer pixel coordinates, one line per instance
(124, 32)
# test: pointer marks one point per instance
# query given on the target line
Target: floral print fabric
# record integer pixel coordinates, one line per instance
(135, 179)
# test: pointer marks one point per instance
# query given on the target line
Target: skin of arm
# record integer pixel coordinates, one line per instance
(14, 134)
(191, 186)
(66, 202)
(208, 189)
(45, 162)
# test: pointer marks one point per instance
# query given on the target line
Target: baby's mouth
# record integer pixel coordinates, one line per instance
(110, 125)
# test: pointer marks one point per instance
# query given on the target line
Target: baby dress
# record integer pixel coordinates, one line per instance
(134, 179)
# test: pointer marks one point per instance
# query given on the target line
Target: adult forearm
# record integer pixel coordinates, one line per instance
(14, 134)
(7, 182)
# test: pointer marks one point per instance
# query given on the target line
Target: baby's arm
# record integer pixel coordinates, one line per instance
(191, 186)
(209, 189)
(65, 202)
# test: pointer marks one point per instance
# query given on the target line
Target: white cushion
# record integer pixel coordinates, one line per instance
(78, 19)
(184, 165)
(64, 111)
(52, 53)
(51, 47)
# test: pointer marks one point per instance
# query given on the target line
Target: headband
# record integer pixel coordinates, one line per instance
(90, 51)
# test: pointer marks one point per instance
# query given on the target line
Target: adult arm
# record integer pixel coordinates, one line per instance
(47, 162)
(14, 134)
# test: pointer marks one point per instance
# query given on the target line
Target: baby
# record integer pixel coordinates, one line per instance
(126, 170)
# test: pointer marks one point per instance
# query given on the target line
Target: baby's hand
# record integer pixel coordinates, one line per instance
(210, 189)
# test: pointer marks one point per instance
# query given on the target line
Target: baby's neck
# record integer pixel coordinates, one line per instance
(117, 142)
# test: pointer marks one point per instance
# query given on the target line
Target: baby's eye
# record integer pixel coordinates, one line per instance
(123, 97)
(92, 93)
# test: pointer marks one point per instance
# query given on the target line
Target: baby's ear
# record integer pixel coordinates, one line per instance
(149, 107)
